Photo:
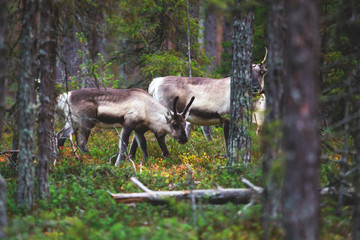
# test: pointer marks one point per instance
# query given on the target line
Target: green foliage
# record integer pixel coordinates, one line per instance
(260, 33)
(173, 63)
(80, 208)
(154, 38)
(98, 73)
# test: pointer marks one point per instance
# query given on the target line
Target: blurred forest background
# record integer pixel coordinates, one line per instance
(125, 44)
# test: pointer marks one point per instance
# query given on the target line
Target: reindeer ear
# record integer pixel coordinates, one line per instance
(168, 116)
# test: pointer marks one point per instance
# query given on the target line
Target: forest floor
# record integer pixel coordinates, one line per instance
(80, 207)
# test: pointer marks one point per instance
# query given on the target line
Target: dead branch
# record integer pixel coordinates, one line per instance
(257, 189)
(142, 186)
(9, 151)
(212, 196)
(333, 193)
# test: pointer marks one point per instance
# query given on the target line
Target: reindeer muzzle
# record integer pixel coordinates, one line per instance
(182, 140)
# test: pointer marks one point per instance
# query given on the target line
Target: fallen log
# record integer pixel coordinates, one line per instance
(9, 152)
(212, 196)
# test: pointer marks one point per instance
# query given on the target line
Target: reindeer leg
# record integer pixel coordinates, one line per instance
(123, 143)
(257, 124)
(161, 141)
(83, 137)
(133, 148)
(226, 135)
(142, 142)
(207, 130)
(73, 148)
(188, 129)
(73, 145)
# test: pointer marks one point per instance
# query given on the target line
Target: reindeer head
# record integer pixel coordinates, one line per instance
(258, 74)
(177, 122)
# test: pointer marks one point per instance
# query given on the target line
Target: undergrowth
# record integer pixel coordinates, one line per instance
(81, 208)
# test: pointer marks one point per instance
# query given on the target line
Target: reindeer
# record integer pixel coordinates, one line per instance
(132, 109)
(212, 97)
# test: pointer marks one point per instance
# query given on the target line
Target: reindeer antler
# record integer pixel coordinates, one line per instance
(174, 106)
(266, 53)
(188, 106)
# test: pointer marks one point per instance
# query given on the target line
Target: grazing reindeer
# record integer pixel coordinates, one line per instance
(131, 109)
(212, 97)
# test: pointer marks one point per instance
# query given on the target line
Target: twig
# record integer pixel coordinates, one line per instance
(142, 186)
(218, 186)
(254, 198)
(258, 190)
(132, 163)
(349, 172)
(242, 211)
(114, 155)
(347, 119)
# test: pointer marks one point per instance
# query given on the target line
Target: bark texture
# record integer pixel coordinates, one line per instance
(241, 97)
(356, 217)
(3, 20)
(210, 36)
(3, 216)
(47, 106)
(272, 140)
(25, 181)
(301, 133)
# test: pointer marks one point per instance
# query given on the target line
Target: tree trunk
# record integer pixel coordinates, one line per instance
(25, 181)
(15, 138)
(95, 36)
(210, 36)
(3, 18)
(241, 97)
(3, 215)
(188, 37)
(356, 217)
(301, 133)
(47, 107)
(272, 142)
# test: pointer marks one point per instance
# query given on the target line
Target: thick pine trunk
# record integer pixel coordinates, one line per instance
(3, 18)
(3, 216)
(301, 132)
(241, 97)
(25, 181)
(3, 54)
(47, 106)
(272, 142)
(210, 36)
(356, 217)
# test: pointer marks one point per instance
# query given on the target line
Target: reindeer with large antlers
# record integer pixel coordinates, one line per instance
(132, 109)
(212, 97)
